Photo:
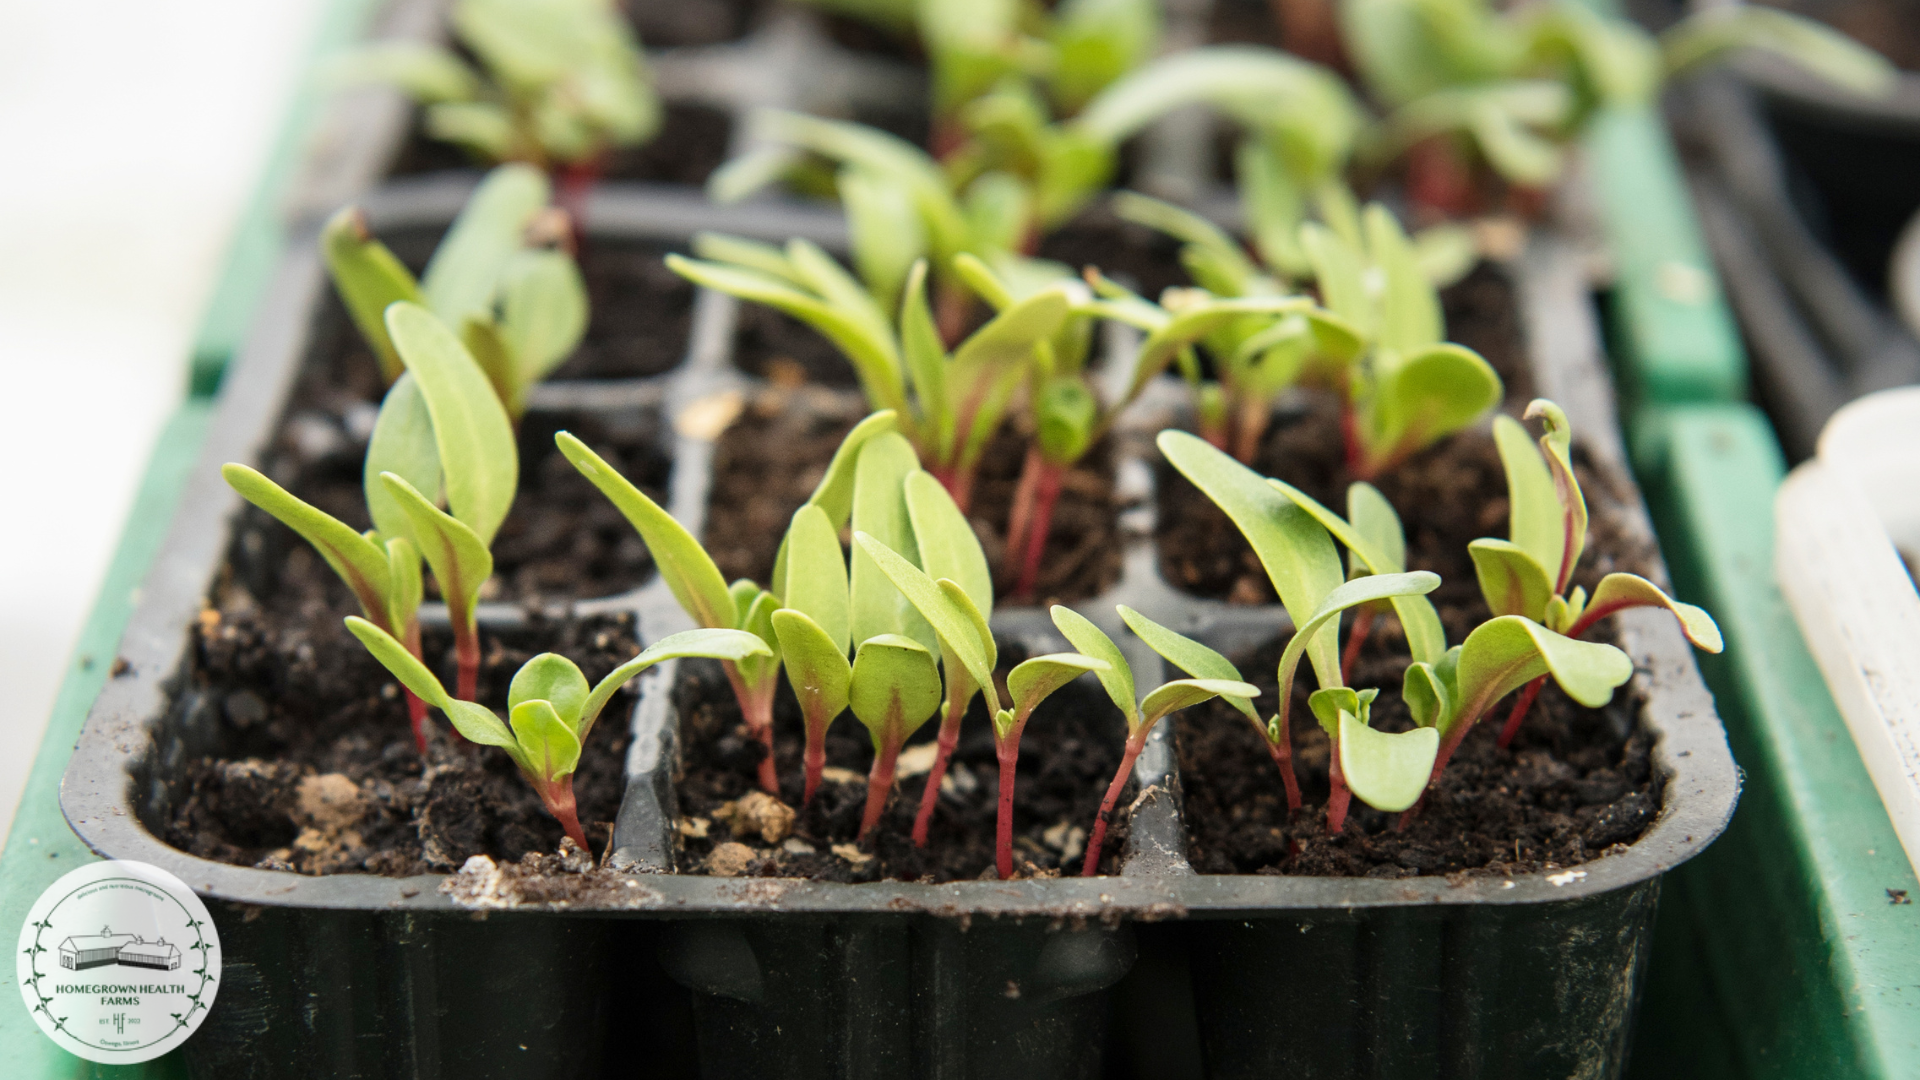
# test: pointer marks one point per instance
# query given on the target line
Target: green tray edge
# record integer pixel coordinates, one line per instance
(39, 846)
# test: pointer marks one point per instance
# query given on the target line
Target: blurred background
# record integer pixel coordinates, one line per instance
(158, 118)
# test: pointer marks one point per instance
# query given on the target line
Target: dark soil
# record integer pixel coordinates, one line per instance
(691, 143)
(1068, 755)
(317, 771)
(1574, 786)
(1447, 496)
(770, 459)
(776, 346)
(666, 24)
(1140, 258)
(642, 317)
(1248, 22)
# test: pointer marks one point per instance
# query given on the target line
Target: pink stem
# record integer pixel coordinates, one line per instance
(558, 797)
(1282, 754)
(466, 653)
(1020, 517)
(1519, 713)
(1356, 637)
(756, 709)
(1099, 838)
(417, 709)
(816, 759)
(1008, 751)
(880, 782)
(1044, 499)
(949, 738)
(1338, 799)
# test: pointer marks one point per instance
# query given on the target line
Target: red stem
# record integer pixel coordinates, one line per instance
(949, 738)
(1282, 754)
(417, 709)
(880, 782)
(1008, 751)
(1020, 517)
(576, 186)
(1252, 426)
(1044, 499)
(816, 757)
(756, 709)
(1099, 838)
(1338, 799)
(1439, 178)
(1520, 706)
(558, 797)
(1350, 442)
(466, 654)
(1356, 637)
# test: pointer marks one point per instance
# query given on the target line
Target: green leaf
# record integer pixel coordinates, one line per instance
(543, 315)
(729, 645)
(555, 679)
(688, 570)
(1184, 653)
(1535, 520)
(1616, 592)
(405, 589)
(944, 537)
(1426, 638)
(1387, 771)
(404, 665)
(1196, 321)
(1032, 681)
(1180, 694)
(875, 357)
(460, 560)
(369, 279)
(1430, 691)
(425, 73)
(959, 634)
(1510, 579)
(1339, 269)
(816, 664)
(1556, 445)
(478, 459)
(1295, 549)
(489, 349)
(1358, 591)
(1506, 653)
(749, 254)
(1428, 395)
(1197, 232)
(819, 590)
(880, 510)
(1011, 336)
(1410, 307)
(464, 274)
(483, 128)
(403, 444)
(1708, 34)
(756, 618)
(1327, 703)
(358, 560)
(926, 360)
(1377, 524)
(1066, 418)
(834, 494)
(970, 612)
(548, 747)
(1090, 640)
(1513, 149)
(894, 686)
(884, 231)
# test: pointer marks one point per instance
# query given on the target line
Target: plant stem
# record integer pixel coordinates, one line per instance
(1350, 442)
(1440, 178)
(951, 305)
(1007, 749)
(466, 655)
(1282, 754)
(1519, 713)
(1098, 840)
(880, 779)
(949, 738)
(1356, 637)
(1020, 517)
(1044, 500)
(416, 709)
(558, 797)
(756, 709)
(1339, 797)
(577, 180)
(1250, 429)
(816, 754)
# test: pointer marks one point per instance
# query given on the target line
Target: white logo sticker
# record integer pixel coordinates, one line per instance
(119, 962)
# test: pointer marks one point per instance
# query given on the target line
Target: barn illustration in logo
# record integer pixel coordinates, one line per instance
(82, 951)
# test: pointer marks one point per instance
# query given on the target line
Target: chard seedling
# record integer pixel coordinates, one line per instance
(440, 429)
(696, 582)
(561, 82)
(1528, 574)
(1513, 86)
(905, 509)
(550, 708)
(962, 632)
(1215, 677)
(949, 404)
(502, 277)
(1293, 536)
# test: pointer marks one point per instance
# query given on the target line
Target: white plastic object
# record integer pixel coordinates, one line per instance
(1842, 522)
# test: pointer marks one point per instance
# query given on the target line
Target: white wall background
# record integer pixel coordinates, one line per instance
(134, 132)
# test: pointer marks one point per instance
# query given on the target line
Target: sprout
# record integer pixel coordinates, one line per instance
(549, 706)
(1217, 678)
(1527, 575)
(518, 302)
(440, 429)
(1517, 85)
(563, 81)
